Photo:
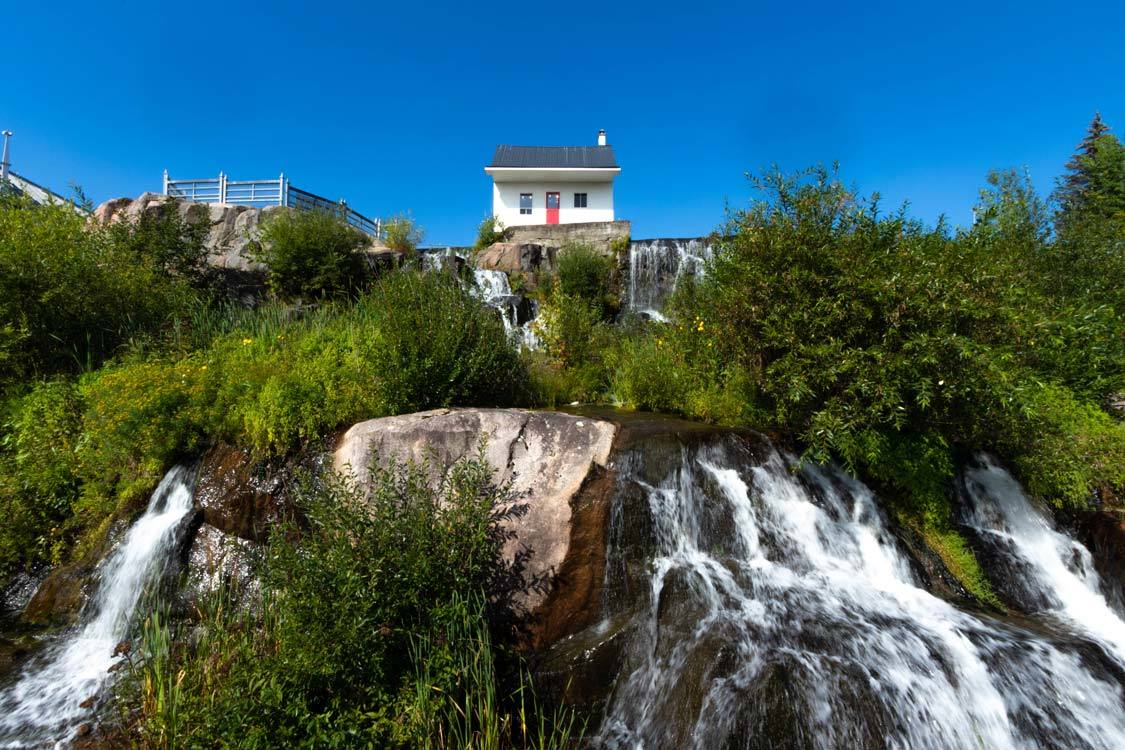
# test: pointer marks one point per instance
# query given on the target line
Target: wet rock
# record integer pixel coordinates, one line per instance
(1103, 533)
(526, 259)
(239, 495)
(60, 597)
(547, 457)
(220, 562)
(19, 589)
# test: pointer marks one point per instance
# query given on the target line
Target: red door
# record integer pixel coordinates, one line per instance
(552, 208)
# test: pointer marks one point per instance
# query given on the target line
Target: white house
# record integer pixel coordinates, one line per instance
(553, 184)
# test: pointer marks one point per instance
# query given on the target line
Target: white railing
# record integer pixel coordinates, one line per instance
(266, 193)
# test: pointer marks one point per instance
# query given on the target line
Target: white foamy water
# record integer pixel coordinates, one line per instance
(495, 290)
(781, 610)
(43, 707)
(1052, 574)
(656, 267)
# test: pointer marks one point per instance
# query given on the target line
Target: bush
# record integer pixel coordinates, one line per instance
(311, 254)
(38, 484)
(383, 624)
(165, 239)
(71, 297)
(491, 230)
(402, 233)
(584, 273)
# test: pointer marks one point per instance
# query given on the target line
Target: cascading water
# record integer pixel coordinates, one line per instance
(657, 266)
(767, 608)
(44, 705)
(496, 291)
(1047, 572)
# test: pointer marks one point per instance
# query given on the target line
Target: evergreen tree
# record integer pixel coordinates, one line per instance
(1076, 185)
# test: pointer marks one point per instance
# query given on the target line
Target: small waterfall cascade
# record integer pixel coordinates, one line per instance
(493, 288)
(657, 266)
(767, 608)
(45, 704)
(516, 311)
(1046, 571)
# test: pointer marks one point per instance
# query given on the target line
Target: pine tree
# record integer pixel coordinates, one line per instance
(1074, 186)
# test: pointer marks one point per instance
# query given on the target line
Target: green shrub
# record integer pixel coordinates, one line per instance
(70, 297)
(383, 624)
(311, 254)
(402, 233)
(163, 238)
(491, 230)
(38, 481)
(584, 273)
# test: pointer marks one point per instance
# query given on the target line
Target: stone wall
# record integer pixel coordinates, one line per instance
(600, 234)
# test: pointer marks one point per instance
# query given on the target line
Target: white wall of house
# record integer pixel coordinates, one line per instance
(506, 201)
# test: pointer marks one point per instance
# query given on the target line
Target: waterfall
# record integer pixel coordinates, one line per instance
(494, 288)
(1047, 572)
(773, 608)
(45, 703)
(657, 266)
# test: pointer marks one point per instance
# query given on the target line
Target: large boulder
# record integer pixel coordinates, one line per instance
(547, 458)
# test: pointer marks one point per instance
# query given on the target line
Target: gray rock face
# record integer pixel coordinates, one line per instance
(234, 231)
(546, 456)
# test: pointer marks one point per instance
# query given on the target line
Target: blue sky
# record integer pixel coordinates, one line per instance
(398, 108)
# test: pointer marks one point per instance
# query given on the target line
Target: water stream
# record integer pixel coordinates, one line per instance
(45, 704)
(1047, 572)
(771, 609)
(657, 266)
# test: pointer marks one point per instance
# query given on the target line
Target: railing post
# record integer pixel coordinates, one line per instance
(166, 182)
(283, 191)
(222, 188)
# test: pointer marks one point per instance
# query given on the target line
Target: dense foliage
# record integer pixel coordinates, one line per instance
(311, 254)
(889, 345)
(376, 629)
(269, 380)
(72, 295)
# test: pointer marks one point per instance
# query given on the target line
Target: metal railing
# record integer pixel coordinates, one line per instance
(260, 193)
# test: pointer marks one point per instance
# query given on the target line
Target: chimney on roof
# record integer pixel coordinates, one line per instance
(601, 137)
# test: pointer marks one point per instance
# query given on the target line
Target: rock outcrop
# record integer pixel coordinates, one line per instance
(233, 233)
(238, 495)
(547, 457)
(532, 250)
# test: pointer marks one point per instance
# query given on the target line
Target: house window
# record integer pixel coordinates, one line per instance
(525, 203)
(580, 200)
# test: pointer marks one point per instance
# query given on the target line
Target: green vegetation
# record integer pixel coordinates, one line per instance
(871, 339)
(858, 335)
(72, 296)
(79, 450)
(491, 230)
(312, 254)
(402, 233)
(381, 626)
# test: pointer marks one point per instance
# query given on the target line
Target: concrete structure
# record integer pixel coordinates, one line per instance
(553, 184)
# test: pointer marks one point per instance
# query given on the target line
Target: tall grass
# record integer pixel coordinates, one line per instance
(385, 621)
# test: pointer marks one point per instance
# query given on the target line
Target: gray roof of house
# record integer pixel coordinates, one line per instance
(590, 157)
